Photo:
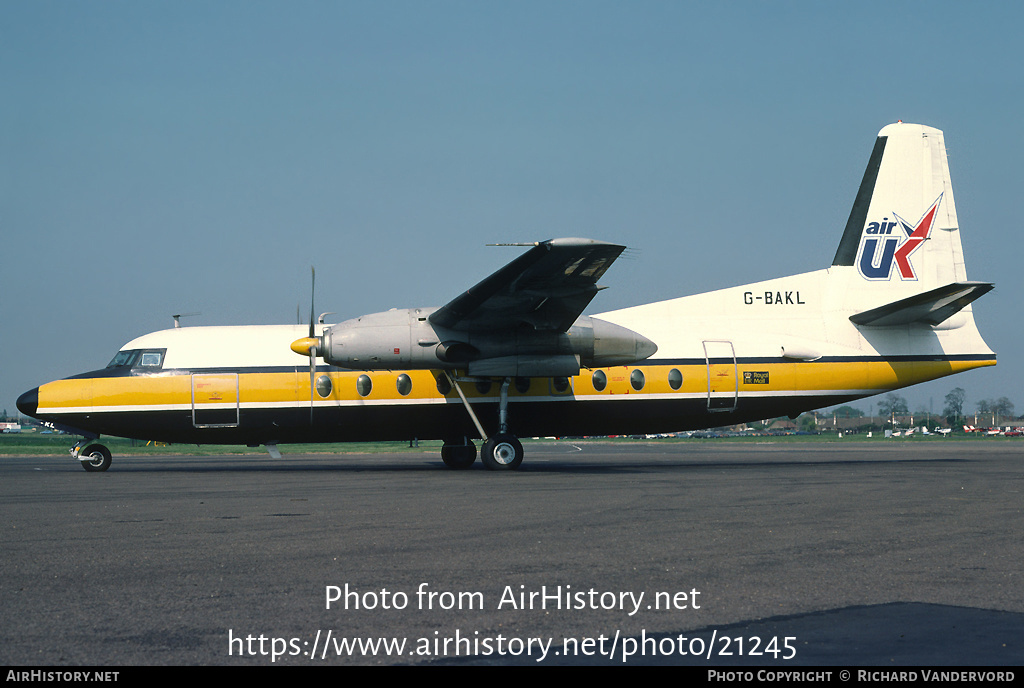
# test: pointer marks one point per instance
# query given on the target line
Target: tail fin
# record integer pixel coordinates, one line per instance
(903, 232)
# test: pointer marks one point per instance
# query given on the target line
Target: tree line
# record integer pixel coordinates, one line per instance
(988, 411)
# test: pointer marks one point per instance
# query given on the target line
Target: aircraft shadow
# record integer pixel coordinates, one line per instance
(541, 464)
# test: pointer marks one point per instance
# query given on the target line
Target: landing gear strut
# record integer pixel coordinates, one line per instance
(502, 451)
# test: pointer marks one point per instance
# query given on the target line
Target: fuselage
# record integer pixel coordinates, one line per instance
(764, 350)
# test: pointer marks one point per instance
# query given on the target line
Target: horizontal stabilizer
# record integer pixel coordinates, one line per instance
(931, 307)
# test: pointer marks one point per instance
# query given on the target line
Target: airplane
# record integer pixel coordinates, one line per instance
(514, 357)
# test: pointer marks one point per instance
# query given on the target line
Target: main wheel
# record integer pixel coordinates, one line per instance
(458, 456)
(97, 458)
(503, 452)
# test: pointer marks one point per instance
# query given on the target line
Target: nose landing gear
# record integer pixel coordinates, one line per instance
(95, 458)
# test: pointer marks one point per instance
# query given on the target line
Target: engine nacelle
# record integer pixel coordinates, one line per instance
(406, 339)
(601, 343)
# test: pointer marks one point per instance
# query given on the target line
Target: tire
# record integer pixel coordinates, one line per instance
(98, 458)
(503, 452)
(459, 456)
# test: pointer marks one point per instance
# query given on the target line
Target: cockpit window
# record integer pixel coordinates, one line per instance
(123, 359)
(138, 358)
(151, 359)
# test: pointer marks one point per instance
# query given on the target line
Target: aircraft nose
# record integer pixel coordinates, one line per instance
(29, 402)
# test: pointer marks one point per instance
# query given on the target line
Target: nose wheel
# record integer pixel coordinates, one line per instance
(95, 458)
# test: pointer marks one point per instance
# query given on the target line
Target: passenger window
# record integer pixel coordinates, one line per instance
(637, 379)
(364, 385)
(600, 380)
(675, 379)
(404, 384)
(443, 386)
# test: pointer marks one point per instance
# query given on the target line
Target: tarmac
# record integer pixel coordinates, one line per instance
(773, 555)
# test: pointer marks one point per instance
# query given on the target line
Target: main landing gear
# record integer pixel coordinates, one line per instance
(459, 455)
(501, 452)
(95, 458)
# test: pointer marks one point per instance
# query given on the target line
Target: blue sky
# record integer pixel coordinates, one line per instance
(168, 157)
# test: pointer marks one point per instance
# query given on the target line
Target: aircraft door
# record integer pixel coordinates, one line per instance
(215, 400)
(723, 375)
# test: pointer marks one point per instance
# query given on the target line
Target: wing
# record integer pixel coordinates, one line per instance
(546, 288)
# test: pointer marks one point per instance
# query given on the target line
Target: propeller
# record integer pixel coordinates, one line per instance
(313, 347)
(308, 346)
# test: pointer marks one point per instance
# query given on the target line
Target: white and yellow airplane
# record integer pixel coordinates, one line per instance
(514, 357)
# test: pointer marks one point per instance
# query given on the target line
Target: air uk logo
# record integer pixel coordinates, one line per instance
(881, 249)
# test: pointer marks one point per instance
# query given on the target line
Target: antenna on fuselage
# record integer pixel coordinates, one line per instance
(177, 317)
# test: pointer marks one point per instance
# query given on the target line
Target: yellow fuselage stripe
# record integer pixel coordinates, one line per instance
(287, 389)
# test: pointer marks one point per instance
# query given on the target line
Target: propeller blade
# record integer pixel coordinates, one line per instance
(312, 380)
(312, 301)
(310, 343)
